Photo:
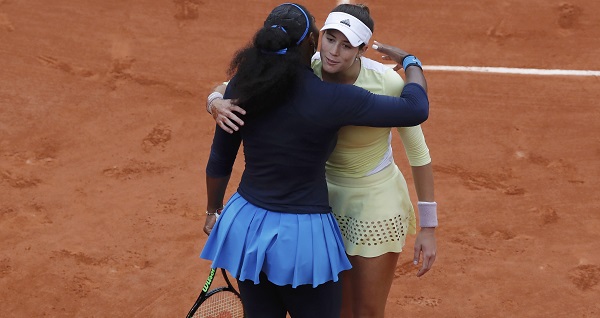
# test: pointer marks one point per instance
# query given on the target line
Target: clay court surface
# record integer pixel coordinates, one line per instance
(104, 140)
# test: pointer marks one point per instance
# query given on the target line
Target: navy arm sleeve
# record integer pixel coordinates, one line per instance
(223, 152)
(362, 108)
(224, 148)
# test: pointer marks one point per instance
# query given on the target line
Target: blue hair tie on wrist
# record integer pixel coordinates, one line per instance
(411, 60)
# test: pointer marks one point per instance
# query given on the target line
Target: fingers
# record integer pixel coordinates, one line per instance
(238, 109)
(230, 124)
(234, 117)
(223, 113)
(377, 46)
(391, 52)
(425, 267)
(228, 120)
(428, 261)
(385, 49)
(417, 255)
(209, 223)
(224, 126)
(388, 58)
(208, 226)
(380, 48)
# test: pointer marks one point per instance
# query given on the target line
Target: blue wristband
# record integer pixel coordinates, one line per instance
(410, 60)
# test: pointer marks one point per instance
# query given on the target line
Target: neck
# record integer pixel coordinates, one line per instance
(347, 76)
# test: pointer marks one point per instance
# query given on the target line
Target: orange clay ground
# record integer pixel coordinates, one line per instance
(104, 139)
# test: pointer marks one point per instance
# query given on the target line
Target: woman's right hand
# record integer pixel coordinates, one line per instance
(209, 223)
(413, 74)
(223, 113)
(392, 53)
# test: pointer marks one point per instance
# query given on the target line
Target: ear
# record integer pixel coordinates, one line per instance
(363, 50)
(313, 38)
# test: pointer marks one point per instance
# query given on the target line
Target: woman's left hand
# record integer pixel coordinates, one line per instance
(223, 113)
(425, 246)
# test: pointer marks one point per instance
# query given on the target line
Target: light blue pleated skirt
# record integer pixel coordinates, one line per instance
(291, 249)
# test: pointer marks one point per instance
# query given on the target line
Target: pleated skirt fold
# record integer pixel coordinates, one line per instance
(291, 249)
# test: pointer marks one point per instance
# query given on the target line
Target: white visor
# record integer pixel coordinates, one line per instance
(356, 31)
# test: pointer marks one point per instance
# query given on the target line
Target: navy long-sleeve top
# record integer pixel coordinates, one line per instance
(286, 147)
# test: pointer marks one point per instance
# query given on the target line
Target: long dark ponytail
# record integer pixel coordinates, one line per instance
(266, 70)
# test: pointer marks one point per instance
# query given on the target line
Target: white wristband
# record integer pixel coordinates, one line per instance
(427, 214)
(211, 98)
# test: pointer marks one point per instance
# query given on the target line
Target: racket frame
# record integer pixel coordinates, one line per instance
(205, 293)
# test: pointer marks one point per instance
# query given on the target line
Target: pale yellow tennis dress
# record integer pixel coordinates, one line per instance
(367, 191)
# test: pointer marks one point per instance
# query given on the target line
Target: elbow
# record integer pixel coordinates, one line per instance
(423, 112)
(425, 115)
(419, 104)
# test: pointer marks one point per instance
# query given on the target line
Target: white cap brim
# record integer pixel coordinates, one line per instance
(354, 29)
(352, 37)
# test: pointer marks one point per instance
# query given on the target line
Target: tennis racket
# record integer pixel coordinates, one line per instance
(220, 302)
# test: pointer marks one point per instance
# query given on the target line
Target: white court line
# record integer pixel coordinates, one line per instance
(508, 70)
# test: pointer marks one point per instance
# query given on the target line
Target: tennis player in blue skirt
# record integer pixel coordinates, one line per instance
(277, 234)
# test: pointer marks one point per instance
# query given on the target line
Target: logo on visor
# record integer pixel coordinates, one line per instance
(346, 22)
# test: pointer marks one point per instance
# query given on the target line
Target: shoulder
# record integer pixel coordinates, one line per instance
(316, 64)
(374, 66)
(384, 70)
(380, 78)
(316, 57)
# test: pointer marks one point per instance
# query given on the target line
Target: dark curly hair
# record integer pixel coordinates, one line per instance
(265, 70)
